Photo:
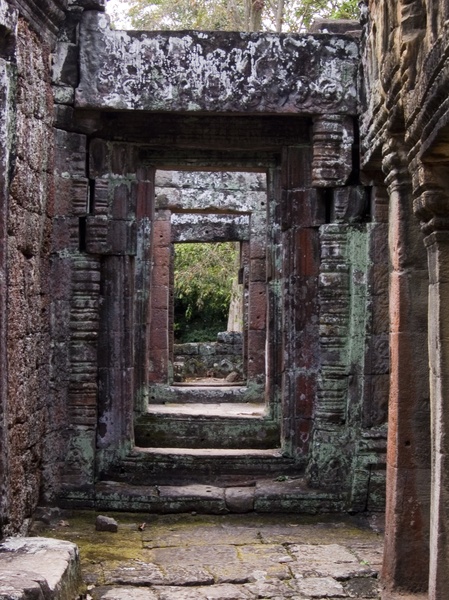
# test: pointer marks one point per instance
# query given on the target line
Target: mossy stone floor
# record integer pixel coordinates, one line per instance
(224, 557)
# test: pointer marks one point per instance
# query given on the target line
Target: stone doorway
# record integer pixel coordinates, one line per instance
(210, 206)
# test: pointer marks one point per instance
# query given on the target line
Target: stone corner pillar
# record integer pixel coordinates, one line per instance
(405, 564)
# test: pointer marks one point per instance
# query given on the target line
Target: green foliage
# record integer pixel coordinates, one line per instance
(186, 14)
(237, 15)
(203, 275)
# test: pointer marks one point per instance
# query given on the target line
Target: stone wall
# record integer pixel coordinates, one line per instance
(28, 230)
(209, 359)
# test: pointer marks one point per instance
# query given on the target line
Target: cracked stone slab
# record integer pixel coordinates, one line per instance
(125, 593)
(273, 588)
(215, 592)
(139, 574)
(207, 535)
(370, 554)
(319, 587)
(51, 567)
(330, 560)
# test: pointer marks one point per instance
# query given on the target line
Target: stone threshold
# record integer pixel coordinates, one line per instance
(291, 495)
(226, 410)
(41, 568)
(211, 452)
(160, 393)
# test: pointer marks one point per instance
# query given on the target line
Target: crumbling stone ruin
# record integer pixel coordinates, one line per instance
(344, 245)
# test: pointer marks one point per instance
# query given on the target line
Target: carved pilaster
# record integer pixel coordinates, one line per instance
(333, 136)
(431, 205)
(334, 318)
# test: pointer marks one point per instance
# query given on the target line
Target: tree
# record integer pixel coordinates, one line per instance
(236, 15)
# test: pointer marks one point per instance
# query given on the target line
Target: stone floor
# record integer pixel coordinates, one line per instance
(224, 557)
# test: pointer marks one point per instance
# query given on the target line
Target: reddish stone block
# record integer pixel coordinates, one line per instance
(60, 278)
(302, 434)
(161, 234)
(307, 252)
(99, 158)
(286, 211)
(160, 275)
(159, 296)
(145, 199)
(408, 301)
(296, 167)
(406, 549)
(257, 306)
(158, 340)
(256, 353)
(258, 270)
(61, 238)
(306, 208)
(120, 201)
(408, 417)
(70, 155)
(63, 193)
(121, 238)
(123, 159)
(162, 258)
(159, 319)
(305, 393)
(257, 248)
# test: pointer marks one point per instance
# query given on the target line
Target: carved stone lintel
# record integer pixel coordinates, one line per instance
(333, 136)
(217, 71)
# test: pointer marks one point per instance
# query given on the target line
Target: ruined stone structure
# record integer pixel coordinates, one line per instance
(342, 222)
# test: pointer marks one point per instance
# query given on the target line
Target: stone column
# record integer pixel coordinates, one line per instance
(431, 206)
(160, 298)
(408, 464)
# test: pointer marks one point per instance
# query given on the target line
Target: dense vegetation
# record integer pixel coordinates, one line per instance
(236, 15)
(203, 276)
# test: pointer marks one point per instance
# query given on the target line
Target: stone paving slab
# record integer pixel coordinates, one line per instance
(330, 560)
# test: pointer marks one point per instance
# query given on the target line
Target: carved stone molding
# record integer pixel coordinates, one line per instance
(332, 150)
(431, 199)
(395, 165)
(44, 16)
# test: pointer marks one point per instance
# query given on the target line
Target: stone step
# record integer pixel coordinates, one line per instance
(230, 425)
(170, 466)
(39, 567)
(182, 393)
(264, 495)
